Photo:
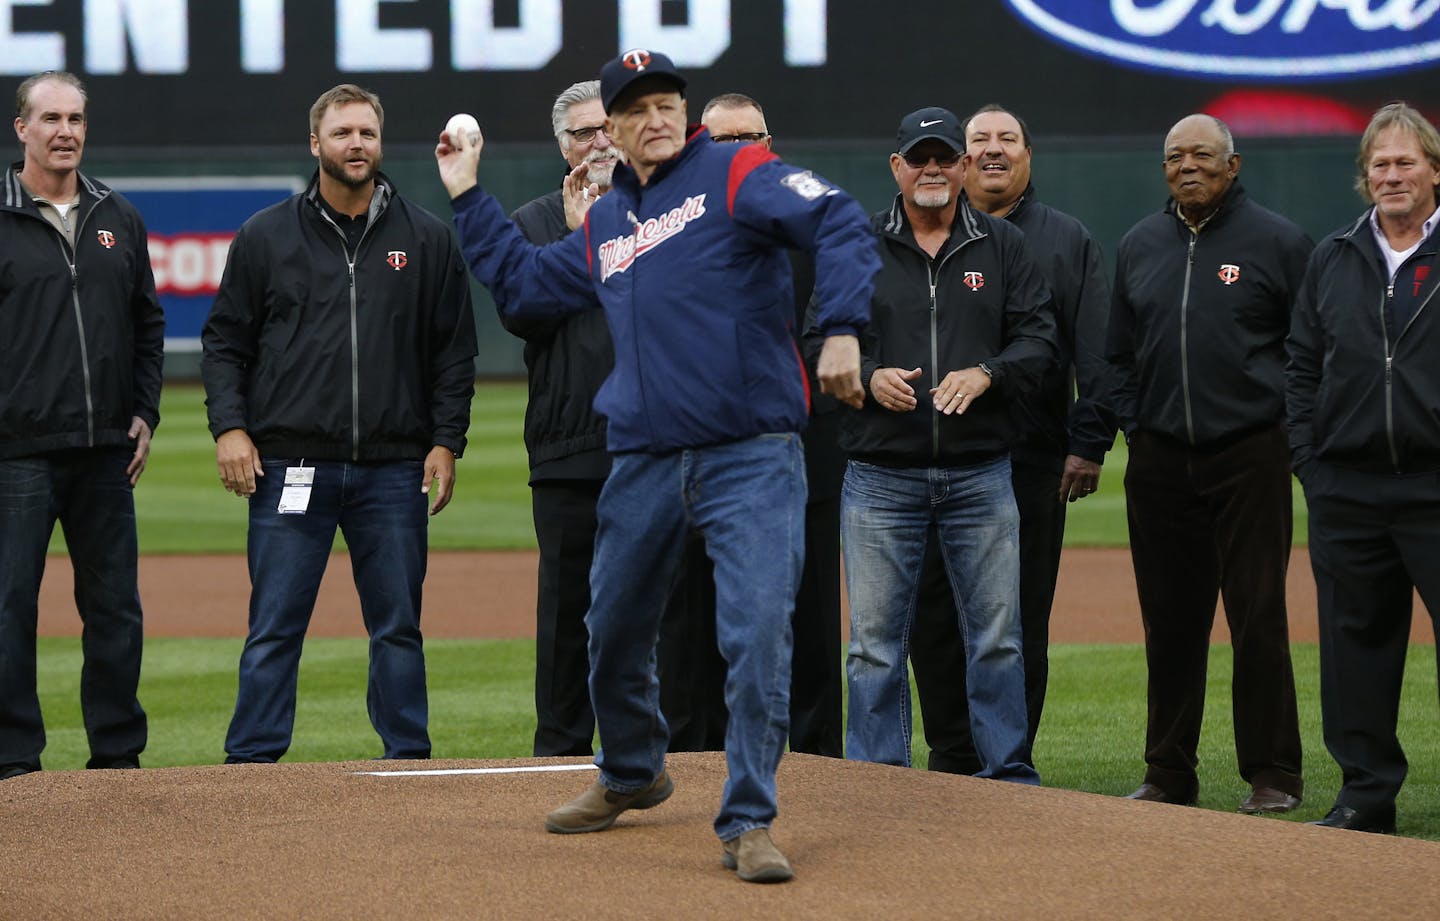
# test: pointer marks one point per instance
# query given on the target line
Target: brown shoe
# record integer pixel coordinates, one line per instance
(755, 858)
(598, 807)
(1150, 793)
(1269, 801)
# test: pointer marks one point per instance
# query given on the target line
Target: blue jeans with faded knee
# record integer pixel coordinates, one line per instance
(886, 514)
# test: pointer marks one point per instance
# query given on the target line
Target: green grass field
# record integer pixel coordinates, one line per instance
(481, 691)
(181, 507)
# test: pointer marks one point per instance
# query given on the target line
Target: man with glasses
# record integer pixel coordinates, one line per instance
(567, 359)
(961, 324)
(1061, 440)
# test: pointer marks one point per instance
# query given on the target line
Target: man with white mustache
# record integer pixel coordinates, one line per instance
(1061, 441)
(960, 309)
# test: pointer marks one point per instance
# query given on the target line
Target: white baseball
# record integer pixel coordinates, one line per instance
(463, 123)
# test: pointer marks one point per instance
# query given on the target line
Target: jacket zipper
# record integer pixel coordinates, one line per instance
(80, 328)
(1390, 350)
(933, 274)
(354, 329)
(1185, 339)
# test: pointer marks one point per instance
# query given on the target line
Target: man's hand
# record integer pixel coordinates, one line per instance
(579, 195)
(459, 165)
(1079, 479)
(839, 370)
(140, 434)
(891, 389)
(959, 390)
(238, 461)
(439, 469)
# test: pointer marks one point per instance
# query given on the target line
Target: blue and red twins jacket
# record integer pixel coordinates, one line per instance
(691, 270)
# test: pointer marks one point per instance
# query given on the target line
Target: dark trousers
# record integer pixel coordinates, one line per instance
(690, 667)
(564, 512)
(937, 651)
(1374, 539)
(692, 672)
(89, 493)
(1208, 524)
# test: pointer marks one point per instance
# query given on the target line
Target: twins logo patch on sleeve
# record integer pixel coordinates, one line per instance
(806, 185)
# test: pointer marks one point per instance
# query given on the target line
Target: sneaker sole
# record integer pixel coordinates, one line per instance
(649, 800)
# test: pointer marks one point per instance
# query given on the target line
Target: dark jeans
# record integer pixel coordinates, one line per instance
(937, 652)
(1374, 539)
(382, 513)
(692, 672)
(89, 493)
(564, 512)
(1206, 525)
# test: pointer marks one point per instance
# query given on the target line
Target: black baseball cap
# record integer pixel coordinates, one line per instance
(929, 123)
(636, 64)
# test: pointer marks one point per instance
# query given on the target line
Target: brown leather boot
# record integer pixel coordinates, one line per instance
(597, 808)
(755, 858)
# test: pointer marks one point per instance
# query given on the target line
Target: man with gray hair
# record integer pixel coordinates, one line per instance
(1201, 304)
(1362, 393)
(81, 385)
(567, 359)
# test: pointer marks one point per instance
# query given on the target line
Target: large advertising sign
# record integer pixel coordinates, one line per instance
(191, 222)
(243, 72)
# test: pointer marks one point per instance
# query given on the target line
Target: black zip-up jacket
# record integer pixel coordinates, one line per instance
(1359, 392)
(568, 358)
(981, 299)
(1051, 420)
(82, 348)
(317, 355)
(1198, 322)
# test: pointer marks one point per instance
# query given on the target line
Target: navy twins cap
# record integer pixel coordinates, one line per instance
(930, 123)
(635, 64)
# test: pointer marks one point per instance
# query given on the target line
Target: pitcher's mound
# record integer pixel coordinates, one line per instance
(335, 841)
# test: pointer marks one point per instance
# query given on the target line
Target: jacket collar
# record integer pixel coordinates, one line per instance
(379, 201)
(625, 177)
(1232, 199)
(966, 226)
(14, 197)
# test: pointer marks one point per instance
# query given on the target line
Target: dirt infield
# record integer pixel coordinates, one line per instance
(492, 595)
(322, 841)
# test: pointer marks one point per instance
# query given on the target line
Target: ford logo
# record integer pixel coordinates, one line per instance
(1288, 40)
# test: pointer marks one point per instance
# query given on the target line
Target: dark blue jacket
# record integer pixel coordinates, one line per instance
(692, 272)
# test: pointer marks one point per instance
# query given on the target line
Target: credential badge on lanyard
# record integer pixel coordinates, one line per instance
(295, 496)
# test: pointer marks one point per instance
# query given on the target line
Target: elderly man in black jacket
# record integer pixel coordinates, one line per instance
(1060, 442)
(79, 400)
(1203, 291)
(1362, 396)
(567, 359)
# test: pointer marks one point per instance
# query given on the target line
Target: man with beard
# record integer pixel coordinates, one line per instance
(568, 358)
(338, 368)
(960, 326)
(1061, 440)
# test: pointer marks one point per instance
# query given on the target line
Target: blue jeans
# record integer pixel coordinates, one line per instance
(89, 493)
(383, 515)
(747, 499)
(885, 515)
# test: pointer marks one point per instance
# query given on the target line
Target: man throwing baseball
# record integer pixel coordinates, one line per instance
(704, 406)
